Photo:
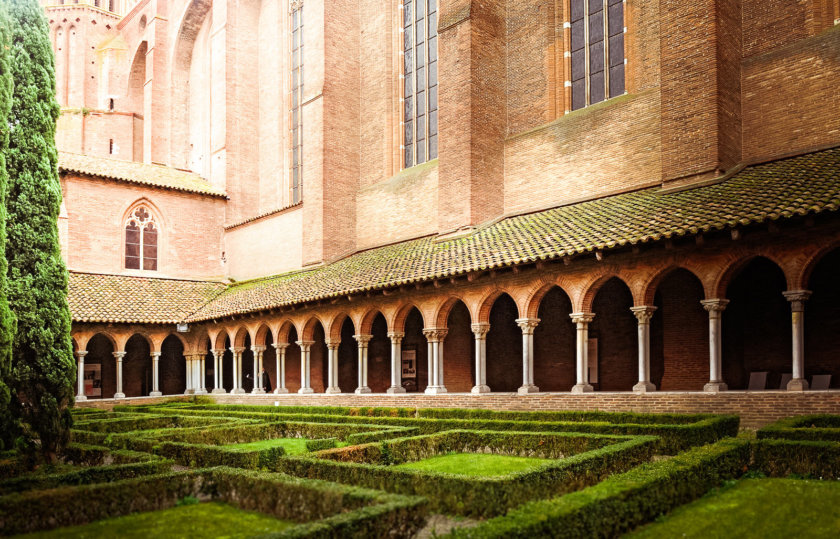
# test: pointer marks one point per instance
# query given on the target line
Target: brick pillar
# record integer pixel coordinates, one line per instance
(715, 307)
(480, 330)
(582, 321)
(305, 385)
(80, 375)
(363, 341)
(332, 367)
(119, 357)
(280, 358)
(643, 314)
(396, 362)
(797, 299)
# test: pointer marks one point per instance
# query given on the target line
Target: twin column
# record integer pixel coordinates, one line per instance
(434, 339)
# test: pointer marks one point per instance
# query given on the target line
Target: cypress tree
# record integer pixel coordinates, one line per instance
(43, 369)
(8, 424)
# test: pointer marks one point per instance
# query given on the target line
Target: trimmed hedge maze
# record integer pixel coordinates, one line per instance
(361, 472)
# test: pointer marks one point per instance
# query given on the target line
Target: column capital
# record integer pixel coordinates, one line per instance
(582, 318)
(332, 344)
(363, 339)
(643, 313)
(396, 336)
(218, 351)
(119, 355)
(715, 305)
(527, 325)
(155, 356)
(280, 345)
(480, 329)
(794, 296)
(258, 348)
(304, 344)
(435, 334)
(81, 353)
(237, 349)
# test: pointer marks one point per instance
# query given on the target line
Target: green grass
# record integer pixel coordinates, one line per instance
(293, 446)
(756, 508)
(204, 519)
(475, 464)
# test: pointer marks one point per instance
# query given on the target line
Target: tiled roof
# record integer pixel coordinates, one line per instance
(124, 299)
(134, 172)
(785, 188)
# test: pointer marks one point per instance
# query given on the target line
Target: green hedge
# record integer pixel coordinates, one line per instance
(137, 422)
(818, 427)
(199, 456)
(319, 445)
(563, 415)
(481, 496)
(780, 458)
(84, 476)
(624, 501)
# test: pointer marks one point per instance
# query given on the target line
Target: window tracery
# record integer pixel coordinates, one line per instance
(141, 240)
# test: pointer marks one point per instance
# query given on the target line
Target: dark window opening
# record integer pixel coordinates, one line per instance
(420, 67)
(597, 51)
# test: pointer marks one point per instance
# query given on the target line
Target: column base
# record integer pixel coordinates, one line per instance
(435, 390)
(258, 391)
(281, 391)
(715, 387)
(156, 394)
(200, 392)
(189, 391)
(219, 391)
(582, 388)
(393, 390)
(333, 390)
(119, 395)
(364, 390)
(798, 384)
(238, 391)
(528, 389)
(80, 398)
(644, 387)
(479, 390)
(306, 390)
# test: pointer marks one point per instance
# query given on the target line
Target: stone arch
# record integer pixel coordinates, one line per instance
(442, 311)
(262, 335)
(592, 289)
(650, 287)
(283, 330)
(105, 335)
(307, 334)
(366, 323)
(538, 292)
(485, 305)
(239, 337)
(333, 331)
(737, 265)
(220, 338)
(398, 323)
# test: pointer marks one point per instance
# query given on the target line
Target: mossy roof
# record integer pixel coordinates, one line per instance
(796, 186)
(134, 172)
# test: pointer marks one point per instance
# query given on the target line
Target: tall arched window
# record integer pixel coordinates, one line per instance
(597, 51)
(141, 240)
(420, 94)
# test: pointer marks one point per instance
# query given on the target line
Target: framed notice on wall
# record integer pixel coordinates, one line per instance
(409, 364)
(93, 380)
(593, 360)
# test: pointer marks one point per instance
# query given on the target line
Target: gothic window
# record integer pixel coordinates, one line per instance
(141, 240)
(296, 123)
(597, 51)
(420, 67)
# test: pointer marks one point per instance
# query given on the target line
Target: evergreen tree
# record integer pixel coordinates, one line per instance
(8, 424)
(43, 369)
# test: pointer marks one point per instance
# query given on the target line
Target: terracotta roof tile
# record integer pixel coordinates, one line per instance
(789, 187)
(134, 172)
(124, 299)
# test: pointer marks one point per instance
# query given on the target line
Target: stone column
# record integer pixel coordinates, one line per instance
(527, 325)
(332, 367)
(363, 341)
(80, 375)
(199, 374)
(644, 313)
(155, 375)
(119, 357)
(797, 299)
(189, 374)
(202, 369)
(280, 362)
(218, 361)
(582, 321)
(237, 369)
(258, 365)
(480, 330)
(396, 362)
(305, 386)
(435, 339)
(715, 307)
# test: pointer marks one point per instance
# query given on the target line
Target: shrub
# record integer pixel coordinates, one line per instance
(780, 458)
(84, 476)
(820, 427)
(323, 443)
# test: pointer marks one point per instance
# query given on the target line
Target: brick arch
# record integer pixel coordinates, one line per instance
(538, 292)
(366, 324)
(486, 304)
(443, 310)
(135, 93)
(219, 339)
(283, 330)
(308, 332)
(804, 276)
(238, 338)
(333, 331)
(591, 290)
(728, 273)
(261, 334)
(105, 334)
(650, 287)
(398, 323)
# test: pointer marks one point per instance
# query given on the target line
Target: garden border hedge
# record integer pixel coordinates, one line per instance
(795, 428)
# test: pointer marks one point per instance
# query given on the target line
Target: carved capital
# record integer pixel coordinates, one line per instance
(797, 298)
(332, 344)
(435, 334)
(280, 346)
(119, 355)
(80, 354)
(480, 329)
(643, 313)
(258, 348)
(304, 345)
(527, 325)
(294, 5)
(363, 340)
(237, 349)
(716, 305)
(155, 356)
(396, 336)
(582, 318)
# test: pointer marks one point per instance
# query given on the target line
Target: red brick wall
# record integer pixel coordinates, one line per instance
(615, 327)
(554, 344)
(504, 347)
(379, 356)
(348, 359)
(822, 321)
(459, 351)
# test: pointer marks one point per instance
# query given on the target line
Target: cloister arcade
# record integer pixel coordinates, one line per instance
(700, 323)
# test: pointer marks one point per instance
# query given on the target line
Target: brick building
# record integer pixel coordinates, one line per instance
(457, 196)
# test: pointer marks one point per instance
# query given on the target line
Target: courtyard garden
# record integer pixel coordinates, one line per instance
(178, 468)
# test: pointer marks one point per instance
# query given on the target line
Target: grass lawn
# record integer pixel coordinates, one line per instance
(204, 519)
(474, 464)
(293, 446)
(756, 508)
